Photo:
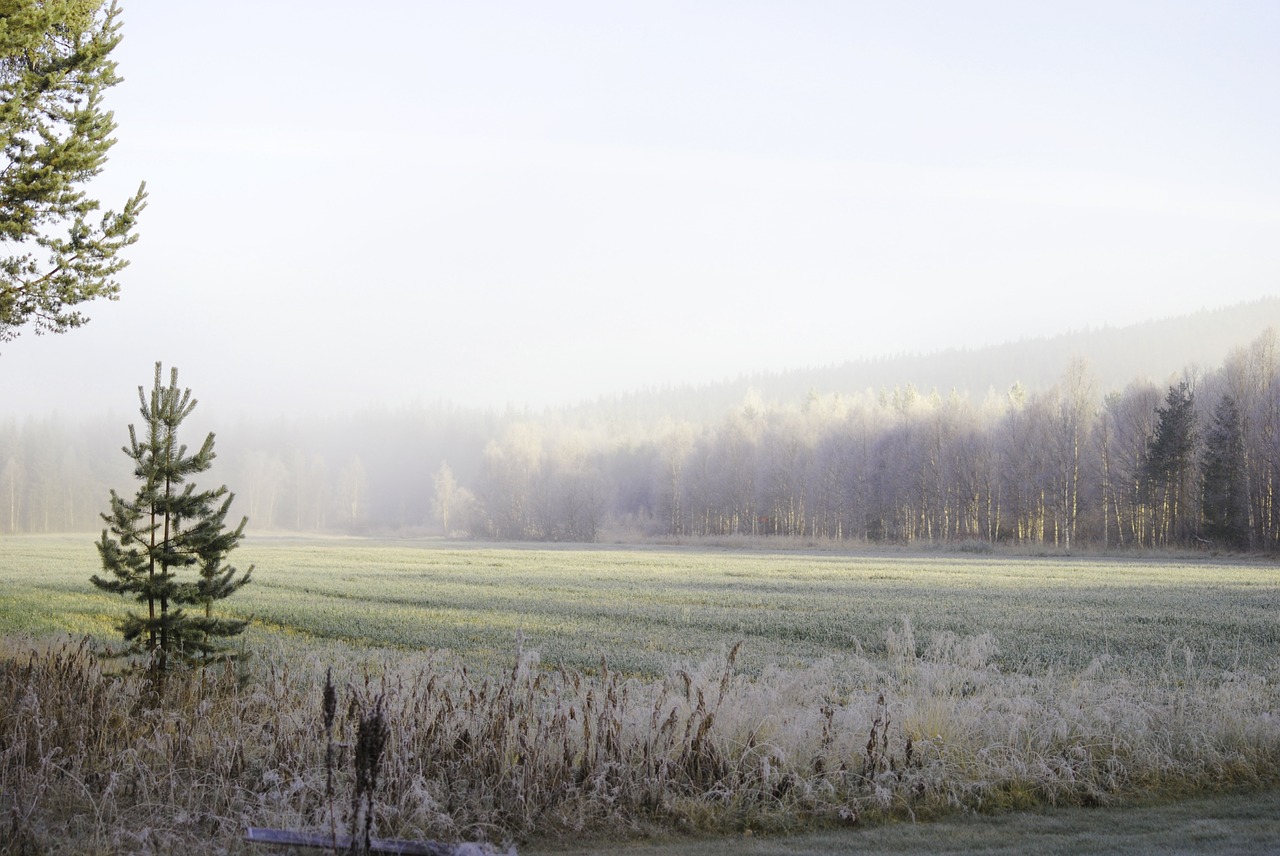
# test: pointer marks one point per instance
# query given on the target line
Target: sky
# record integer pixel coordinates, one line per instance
(496, 204)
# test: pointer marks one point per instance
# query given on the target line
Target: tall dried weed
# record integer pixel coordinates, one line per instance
(92, 762)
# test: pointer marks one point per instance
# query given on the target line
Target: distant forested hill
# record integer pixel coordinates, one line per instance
(1156, 351)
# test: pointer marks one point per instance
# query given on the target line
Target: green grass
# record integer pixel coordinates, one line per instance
(645, 609)
(1235, 825)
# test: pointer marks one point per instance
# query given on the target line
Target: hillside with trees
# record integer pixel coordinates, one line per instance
(1175, 454)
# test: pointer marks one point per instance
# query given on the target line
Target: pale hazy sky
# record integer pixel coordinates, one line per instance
(541, 202)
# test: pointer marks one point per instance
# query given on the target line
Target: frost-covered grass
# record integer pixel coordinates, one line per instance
(864, 689)
(645, 609)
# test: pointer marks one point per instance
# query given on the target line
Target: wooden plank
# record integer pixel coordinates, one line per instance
(323, 841)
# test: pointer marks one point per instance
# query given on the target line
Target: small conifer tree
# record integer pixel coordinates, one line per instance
(167, 547)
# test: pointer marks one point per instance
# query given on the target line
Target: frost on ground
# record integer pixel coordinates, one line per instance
(119, 763)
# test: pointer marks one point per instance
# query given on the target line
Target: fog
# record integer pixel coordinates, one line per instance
(493, 204)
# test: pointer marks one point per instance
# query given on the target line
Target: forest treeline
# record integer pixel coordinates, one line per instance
(1193, 459)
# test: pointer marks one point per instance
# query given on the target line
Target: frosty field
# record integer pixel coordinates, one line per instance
(646, 609)
(548, 696)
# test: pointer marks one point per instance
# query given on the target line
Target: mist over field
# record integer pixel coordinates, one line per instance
(500, 205)
(1157, 435)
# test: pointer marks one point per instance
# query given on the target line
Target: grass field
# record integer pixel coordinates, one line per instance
(645, 609)
(866, 688)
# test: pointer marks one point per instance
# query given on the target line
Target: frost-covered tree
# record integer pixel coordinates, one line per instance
(167, 547)
(445, 504)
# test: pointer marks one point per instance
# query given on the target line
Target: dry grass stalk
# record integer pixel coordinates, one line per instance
(93, 762)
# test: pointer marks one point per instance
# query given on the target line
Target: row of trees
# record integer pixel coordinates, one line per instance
(1188, 461)
(1194, 462)
(370, 469)
(53, 476)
